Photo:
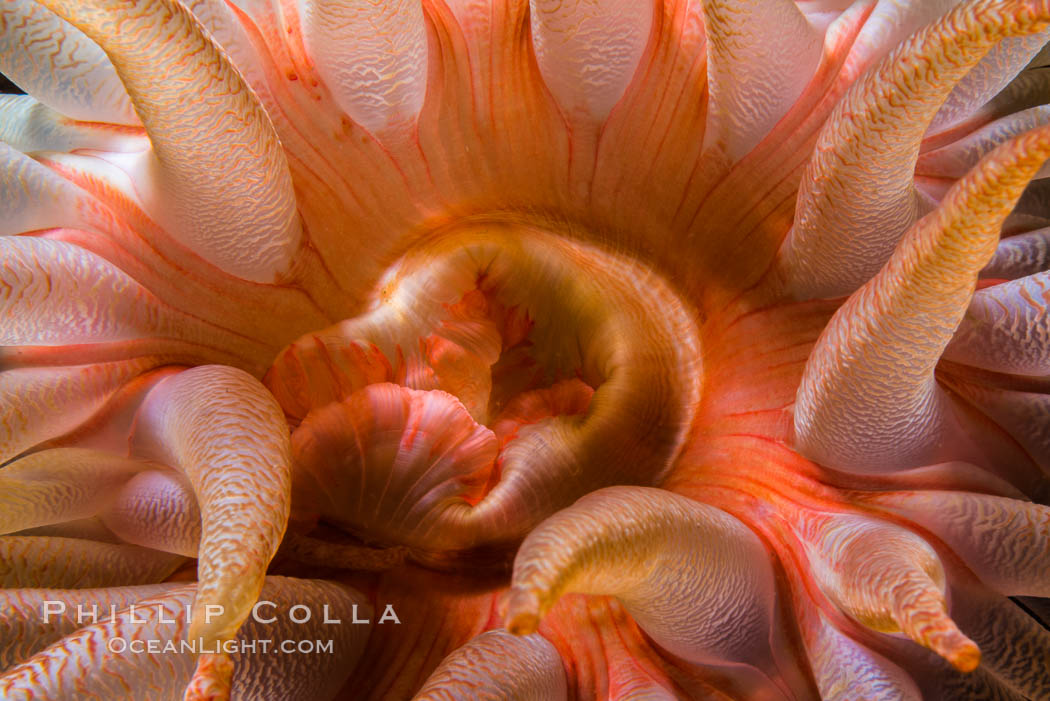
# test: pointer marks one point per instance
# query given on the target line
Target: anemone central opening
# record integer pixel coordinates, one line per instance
(500, 373)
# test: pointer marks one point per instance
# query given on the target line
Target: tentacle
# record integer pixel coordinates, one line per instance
(204, 123)
(1006, 328)
(748, 45)
(1023, 415)
(609, 656)
(107, 672)
(156, 509)
(1035, 202)
(857, 197)
(47, 675)
(994, 72)
(55, 293)
(888, 579)
(212, 678)
(1027, 90)
(90, 528)
(29, 126)
(497, 664)
(38, 404)
(299, 677)
(1016, 649)
(1006, 542)
(401, 458)
(588, 51)
(957, 158)
(373, 57)
(646, 690)
(939, 681)
(868, 400)
(1017, 256)
(70, 563)
(35, 198)
(225, 432)
(58, 65)
(848, 671)
(889, 24)
(32, 619)
(1020, 222)
(226, 26)
(59, 485)
(694, 578)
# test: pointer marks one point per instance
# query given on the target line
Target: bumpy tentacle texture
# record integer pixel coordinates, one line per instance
(597, 349)
(374, 57)
(69, 563)
(34, 197)
(57, 64)
(890, 580)
(58, 485)
(498, 664)
(857, 197)
(156, 509)
(846, 670)
(666, 558)
(868, 399)
(226, 434)
(156, 620)
(177, 95)
(1003, 541)
(212, 679)
(1005, 328)
(748, 45)
(599, 43)
(33, 619)
(995, 71)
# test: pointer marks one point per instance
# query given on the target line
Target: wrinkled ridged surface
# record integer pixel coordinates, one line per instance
(57, 64)
(748, 45)
(857, 197)
(665, 557)
(472, 672)
(373, 56)
(890, 580)
(179, 83)
(156, 509)
(593, 45)
(161, 616)
(870, 376)
(70, 563)
(225, 433)
(64, 484)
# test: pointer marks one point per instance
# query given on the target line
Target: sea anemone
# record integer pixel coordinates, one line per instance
(557, 349)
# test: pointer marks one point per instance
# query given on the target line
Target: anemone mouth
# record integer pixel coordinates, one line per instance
(501, 372)
(589, 347)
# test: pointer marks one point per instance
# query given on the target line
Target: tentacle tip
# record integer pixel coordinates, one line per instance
(212, 680)
(523, 624)
(953, 645)
(965, 656)
(523, 612)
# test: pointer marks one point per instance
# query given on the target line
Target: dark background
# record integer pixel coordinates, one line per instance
(6, 86)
